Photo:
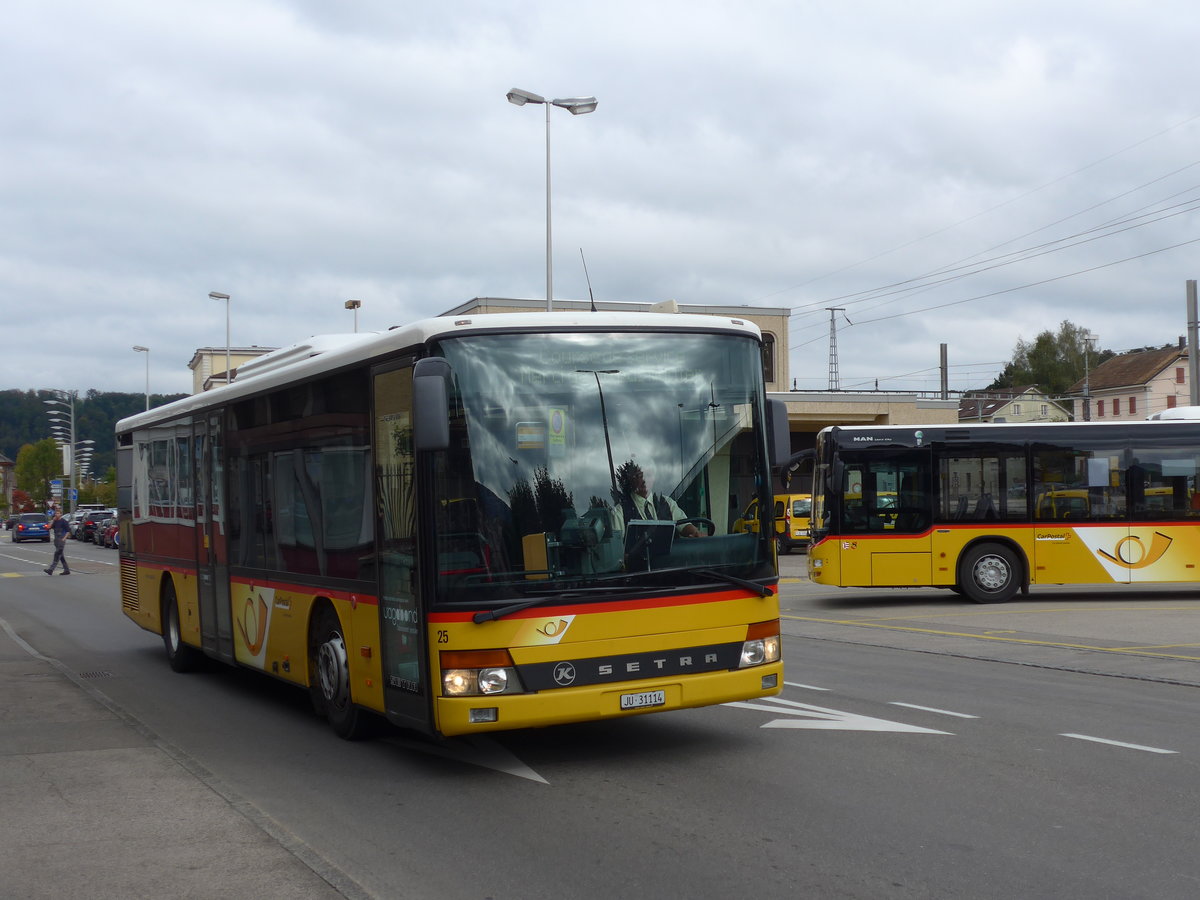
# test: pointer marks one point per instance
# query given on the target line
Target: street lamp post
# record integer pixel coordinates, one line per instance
(62, 426)
(217, 295)
(576, 106)
(354, 305)
(140, 349)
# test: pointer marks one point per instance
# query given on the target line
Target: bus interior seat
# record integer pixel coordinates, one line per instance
(985, 509)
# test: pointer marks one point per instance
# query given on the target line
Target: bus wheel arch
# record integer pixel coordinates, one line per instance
(992, 571)
(181, 656)
(329, 674)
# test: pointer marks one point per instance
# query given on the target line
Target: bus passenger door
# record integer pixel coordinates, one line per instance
(401, 617)
(212, 561)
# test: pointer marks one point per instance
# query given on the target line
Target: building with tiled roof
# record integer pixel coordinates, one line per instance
(1019, 404)
(1134, 385)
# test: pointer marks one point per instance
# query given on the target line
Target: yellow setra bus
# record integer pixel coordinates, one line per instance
(989, 510)
(437, 524)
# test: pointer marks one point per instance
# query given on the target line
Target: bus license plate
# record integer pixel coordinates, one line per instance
(644, 699)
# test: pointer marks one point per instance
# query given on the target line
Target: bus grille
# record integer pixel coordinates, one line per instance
(129, 587)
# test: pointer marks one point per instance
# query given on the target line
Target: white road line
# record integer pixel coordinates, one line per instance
(807, 687)
(1099, 740)
(940, 712)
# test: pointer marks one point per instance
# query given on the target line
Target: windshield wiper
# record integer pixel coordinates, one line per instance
(761, 589)
(489, 615)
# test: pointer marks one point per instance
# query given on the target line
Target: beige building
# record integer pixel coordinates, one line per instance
(208, 364)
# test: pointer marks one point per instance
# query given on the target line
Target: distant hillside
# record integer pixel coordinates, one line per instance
(24, 420)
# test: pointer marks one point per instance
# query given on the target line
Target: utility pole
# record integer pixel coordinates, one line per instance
(1193, 349)
(944, 364)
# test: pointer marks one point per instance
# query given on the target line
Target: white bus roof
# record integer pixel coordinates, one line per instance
(323, 353)
(1178, 412)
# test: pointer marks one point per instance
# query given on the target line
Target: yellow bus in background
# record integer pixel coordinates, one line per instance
(427, 524)
(991, 510)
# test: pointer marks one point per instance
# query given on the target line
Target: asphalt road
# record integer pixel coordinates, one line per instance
(923, 747)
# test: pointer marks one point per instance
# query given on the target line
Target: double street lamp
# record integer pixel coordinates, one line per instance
(576, 106)
(140, 349)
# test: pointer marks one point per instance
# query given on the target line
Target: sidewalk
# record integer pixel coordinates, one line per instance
(96, 806)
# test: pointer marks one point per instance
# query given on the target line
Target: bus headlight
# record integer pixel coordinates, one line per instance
(493, 681)
(472, 673)
(762, 644)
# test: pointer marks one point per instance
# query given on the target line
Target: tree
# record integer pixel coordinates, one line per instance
(37, 464)
(1052, 361)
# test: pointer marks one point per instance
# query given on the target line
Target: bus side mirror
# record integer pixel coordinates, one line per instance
(779, 439)
(431, 404)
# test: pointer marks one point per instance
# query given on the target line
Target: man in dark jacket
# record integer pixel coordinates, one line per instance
(60, 529)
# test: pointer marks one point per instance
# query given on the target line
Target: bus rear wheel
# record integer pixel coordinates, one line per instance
(329, 671)
(181, 657)
(989, 573)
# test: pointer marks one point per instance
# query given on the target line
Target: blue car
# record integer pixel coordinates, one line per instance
(31, 527)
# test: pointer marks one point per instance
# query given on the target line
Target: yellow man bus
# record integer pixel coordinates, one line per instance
(427, 524)
(989, 510)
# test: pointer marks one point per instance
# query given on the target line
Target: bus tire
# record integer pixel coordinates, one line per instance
(989, 573)
(181, 657)
(329, 668)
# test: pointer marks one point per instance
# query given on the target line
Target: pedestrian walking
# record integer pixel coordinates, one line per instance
(60, 529)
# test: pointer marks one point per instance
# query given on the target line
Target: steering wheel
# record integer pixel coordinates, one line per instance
(700, 520)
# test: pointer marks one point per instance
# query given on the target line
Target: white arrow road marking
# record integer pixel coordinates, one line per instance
(476, 750)
(819, 717)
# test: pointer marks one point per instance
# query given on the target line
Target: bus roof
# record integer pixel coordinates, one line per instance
(1175, 413)
(327, 353)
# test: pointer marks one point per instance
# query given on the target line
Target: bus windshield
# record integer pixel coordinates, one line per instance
(597, 459)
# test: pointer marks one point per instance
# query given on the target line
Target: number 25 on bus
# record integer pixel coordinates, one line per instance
(469, 524)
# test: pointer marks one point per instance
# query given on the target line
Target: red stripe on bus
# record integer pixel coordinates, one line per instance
(602, 606)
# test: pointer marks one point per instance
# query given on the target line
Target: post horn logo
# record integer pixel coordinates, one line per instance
(1131, 552)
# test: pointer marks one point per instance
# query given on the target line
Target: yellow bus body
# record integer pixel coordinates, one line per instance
(271, 624)
(1052, 553)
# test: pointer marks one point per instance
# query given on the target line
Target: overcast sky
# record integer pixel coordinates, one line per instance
(1041, 160)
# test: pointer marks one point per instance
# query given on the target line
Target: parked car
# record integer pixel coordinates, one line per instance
(75, 524)
(108, 533)
(31, 527)
(91, 521)
(11, 521)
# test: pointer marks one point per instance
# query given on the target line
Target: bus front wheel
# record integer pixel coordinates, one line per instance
(990, 573)
(329, 669)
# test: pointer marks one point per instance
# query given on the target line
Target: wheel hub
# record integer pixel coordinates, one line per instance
(991, 573)
(334, 671)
